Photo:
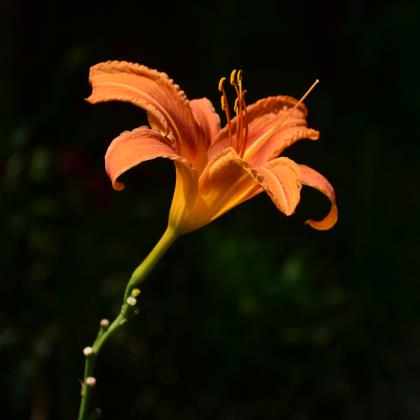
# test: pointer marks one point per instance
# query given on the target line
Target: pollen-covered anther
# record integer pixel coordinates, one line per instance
(239, 79)
(225, 107)
(232, 77)
(237, 140)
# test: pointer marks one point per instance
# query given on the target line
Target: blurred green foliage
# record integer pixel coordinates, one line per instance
(254, 316)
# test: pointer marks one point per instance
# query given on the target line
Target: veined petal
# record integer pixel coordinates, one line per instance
(166, 104)
(279, 178)
(131, 148)
(314, 179)
(272, 127)
(206, 117)
(266, 142)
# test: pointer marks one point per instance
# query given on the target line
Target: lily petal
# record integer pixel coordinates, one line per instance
(229, 181)
(206, 117)
(265, 141)
(166, 104)
(312, 178)
(279, 178)
(131, 148)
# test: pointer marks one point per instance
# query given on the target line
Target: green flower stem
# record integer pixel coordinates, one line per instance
(143, 270)
(103, 335)
(127, 310)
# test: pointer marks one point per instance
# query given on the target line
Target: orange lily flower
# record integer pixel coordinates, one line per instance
(216, 169)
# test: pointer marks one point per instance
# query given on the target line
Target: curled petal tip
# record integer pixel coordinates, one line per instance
(314, 179)
(327, 222)
(118, 186)
(91, 100)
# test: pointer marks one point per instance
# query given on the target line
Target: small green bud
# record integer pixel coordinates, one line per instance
(135, 292)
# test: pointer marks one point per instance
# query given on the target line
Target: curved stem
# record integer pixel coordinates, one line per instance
(143, 270)
(127, 309)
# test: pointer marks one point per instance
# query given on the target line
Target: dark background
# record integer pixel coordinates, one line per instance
(255, 316)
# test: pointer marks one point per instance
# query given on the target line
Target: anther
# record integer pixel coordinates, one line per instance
(225, 105)
(221, 81)
(232, 77)
(239, 78)
(131, 300)
(135, 292)
(90, 381)
(88, 351)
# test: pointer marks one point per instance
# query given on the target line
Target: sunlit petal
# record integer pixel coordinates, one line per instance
(312, 178)
(272, 127)
(268, 146)
(166, 104)
(206, 117)
(131, 148)
(279, 178)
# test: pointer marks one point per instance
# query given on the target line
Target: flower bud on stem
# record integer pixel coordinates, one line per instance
(128, 309)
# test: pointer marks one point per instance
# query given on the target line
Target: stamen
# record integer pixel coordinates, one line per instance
(232, 77)
(241, 123)
(221, 81)
(235, 107)
(225, 107)
(245, 140)
(243, 133)
(239, 78)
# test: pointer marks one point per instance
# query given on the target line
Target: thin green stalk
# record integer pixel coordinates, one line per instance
(143, 270)
(127, 309)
